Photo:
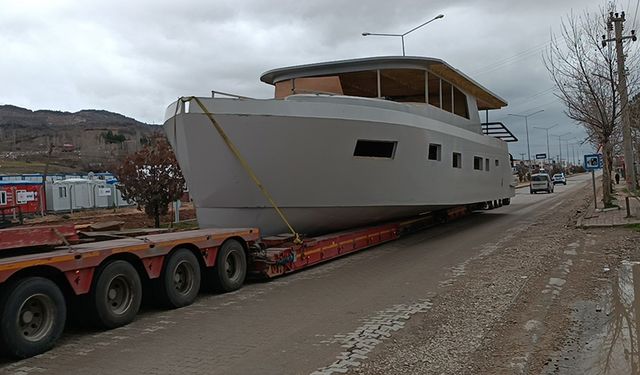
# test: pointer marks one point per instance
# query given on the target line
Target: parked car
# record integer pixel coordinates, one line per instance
(559, 178)
(540, 182)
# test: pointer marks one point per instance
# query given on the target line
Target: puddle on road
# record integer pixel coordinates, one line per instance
(616, 350)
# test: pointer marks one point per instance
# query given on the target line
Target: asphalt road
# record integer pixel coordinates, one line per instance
(321, 320)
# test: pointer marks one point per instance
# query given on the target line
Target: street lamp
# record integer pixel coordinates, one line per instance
(404, 34)
(547, 130)
(526, 124)
(560, 146)
(567, 140)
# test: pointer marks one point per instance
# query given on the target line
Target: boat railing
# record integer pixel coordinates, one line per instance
(214, 92)
(498, 130)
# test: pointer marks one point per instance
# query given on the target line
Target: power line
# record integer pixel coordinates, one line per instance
(509, 60)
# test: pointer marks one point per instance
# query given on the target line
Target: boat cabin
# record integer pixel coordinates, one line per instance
(401, 79)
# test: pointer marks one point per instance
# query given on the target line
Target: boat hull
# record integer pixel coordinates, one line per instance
(308, 220)
(303, 153)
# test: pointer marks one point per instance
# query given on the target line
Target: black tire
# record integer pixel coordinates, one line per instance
(32, 317)
(231, 266)
(116, 294)
(506, 201)
(180, 279)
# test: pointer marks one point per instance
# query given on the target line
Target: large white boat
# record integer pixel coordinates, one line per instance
(342, 144)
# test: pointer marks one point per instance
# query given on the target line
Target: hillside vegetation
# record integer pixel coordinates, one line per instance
(68, 142)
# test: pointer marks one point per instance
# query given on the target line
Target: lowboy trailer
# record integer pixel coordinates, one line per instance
(46, 270)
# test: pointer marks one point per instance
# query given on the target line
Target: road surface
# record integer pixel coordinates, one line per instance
(333, 318)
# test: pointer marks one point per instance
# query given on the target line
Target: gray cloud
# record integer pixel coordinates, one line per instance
(137, 57)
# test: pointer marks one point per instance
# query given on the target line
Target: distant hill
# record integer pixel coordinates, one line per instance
(80, 141)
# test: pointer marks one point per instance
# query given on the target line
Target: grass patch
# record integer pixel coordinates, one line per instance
(635, 227)
(21, 166)
(183, 225)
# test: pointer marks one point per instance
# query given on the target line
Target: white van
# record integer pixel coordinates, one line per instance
(540, 182)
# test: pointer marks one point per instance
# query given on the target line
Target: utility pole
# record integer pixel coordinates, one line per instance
(526, 125)
(617, 19)
(560, 146)
(547, 130)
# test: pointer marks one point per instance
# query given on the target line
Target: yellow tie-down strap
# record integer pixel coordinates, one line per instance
(243, 162)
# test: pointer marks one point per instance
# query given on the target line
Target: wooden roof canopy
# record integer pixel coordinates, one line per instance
(486, 99)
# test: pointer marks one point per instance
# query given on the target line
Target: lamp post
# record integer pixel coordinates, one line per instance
(567, 140)
(547, 130)
(560, 146)
(526, 124)
(404, 34)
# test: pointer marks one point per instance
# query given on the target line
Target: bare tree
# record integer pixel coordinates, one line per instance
(152, 178)
(585, 76)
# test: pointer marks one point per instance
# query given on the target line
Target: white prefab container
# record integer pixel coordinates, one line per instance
(77, 194)
(116, 199)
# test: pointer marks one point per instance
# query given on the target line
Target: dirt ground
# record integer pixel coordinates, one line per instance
(130, 216)
(537, 302)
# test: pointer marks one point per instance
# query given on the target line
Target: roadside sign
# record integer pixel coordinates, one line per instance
(541, 156)
(593, 162)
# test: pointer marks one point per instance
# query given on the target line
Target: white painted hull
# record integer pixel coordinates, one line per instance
(302, 151)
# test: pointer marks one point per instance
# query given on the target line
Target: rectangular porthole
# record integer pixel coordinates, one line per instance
(457, 160)
(486, 165)
(375, 149)
(435, 151)
(497, 163)
(477, 163)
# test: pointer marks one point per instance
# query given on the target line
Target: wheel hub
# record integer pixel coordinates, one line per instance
(183, 278)
(119, 295)
(36, 317)
(27, 316)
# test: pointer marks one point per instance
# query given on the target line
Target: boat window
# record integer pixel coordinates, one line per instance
(375, 149)
(3, 198)
(309, 85)
(434, 90)
(486, 165)
(477, 163)
(457, 160)
(402, 85)
(497, 163)
(434, 151)
(364, 84)
(447, 96)
(460, 106)
(62, 192)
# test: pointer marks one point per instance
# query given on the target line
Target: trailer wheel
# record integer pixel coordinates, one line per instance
(33, 313)
(117, 294)
(231, 266)
(180, 281)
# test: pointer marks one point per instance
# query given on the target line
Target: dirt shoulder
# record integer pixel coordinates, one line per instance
(512, 309)
(131, 217)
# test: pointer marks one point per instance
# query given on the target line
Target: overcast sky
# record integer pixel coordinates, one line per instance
(135, 57)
